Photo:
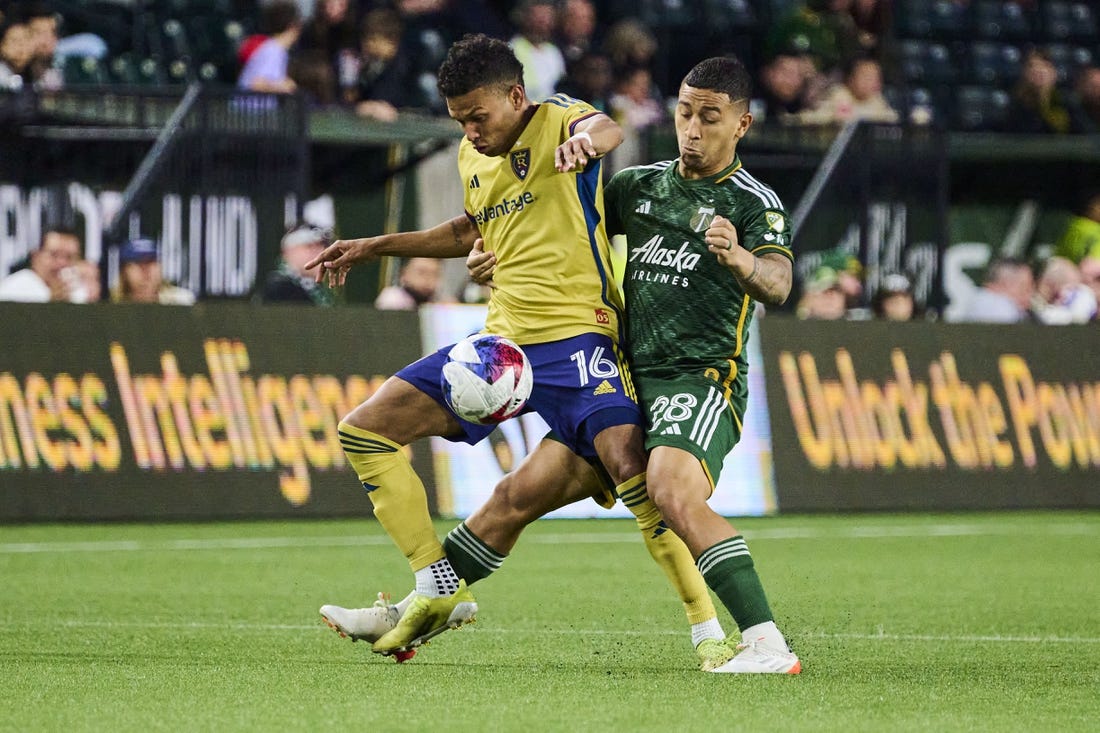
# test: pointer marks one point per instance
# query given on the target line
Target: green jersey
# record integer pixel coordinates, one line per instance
(685, 312)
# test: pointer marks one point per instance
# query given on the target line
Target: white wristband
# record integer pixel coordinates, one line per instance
(584, 136)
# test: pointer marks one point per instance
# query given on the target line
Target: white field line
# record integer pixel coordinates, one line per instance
(590, 538)
(880, 635)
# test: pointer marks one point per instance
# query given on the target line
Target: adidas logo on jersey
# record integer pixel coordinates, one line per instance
(673, 429)
(643, 208)
(604, 388)
(474, 183)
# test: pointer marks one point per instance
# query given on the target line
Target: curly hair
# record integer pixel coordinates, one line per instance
(724, 74)
(477, 61)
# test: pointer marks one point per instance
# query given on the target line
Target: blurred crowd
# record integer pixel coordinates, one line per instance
(818, 62)
(1060, 287)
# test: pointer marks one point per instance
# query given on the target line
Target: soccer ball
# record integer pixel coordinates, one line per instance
(486, 379)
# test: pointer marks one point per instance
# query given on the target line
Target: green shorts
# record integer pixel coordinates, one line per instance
(693, 413)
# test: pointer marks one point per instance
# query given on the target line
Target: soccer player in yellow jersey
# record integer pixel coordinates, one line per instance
(531, 173)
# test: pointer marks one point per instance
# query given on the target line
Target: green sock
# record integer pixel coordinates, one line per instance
(471, 558)
(729, 571)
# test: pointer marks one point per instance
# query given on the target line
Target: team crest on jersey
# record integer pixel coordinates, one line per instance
(521, 162)
(776, 222)
(702, 219)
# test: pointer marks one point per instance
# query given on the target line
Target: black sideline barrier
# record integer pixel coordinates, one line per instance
(932, 416)
(212, 412)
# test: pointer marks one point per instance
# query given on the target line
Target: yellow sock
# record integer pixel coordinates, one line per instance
(400, 501)
(668, 550)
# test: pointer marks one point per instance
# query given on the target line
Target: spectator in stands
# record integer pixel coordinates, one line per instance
(859, 97)
(786, 84)
(894, 299)
(636, 108)
(44, 72)
(589, 79)
(430, 28)
(326, 55)
(823, 29)
(543, 63)
(822, 299)
(1084, 103)
(387, 79)
(1081, 239)
(1005, 294)
(576, 35)
(1061, 295)
(1037, 104)
(16, 52)
(874, 24)
(90, 289)
(417, 283)
(629, 44)
(632, 102)
(289, 282)
(266, 67)
(1090, 274)
(50, 276)
(141, 280)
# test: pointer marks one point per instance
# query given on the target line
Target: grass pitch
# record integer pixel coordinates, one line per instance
(975, 622)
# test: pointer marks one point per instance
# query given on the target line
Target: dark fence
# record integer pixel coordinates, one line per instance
(880, 195)
(213, 175)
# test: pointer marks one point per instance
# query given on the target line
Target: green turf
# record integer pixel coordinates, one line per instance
(984, 622)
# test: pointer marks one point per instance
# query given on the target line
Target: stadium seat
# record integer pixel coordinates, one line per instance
(127, 68)
(180, 71)
(993, 64)
(1068, 60)
(937, 19)
(924, 62)
(980, 108)
(996, 19)
(81, 70)
(215, 40)
(1062, 21)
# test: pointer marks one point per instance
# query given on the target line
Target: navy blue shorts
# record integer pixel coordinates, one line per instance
(580, 388)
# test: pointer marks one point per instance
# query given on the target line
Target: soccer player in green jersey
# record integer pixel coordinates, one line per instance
(705, 241)
(533, 197)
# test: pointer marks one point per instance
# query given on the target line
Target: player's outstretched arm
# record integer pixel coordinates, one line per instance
(452, 238)
(593, 137)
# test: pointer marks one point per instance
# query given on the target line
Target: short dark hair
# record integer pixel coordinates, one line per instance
(279, 16)
(477, 61)
(65, 231)
(725, 74)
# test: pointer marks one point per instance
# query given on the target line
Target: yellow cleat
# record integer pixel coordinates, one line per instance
(427, 617)
(713, 653)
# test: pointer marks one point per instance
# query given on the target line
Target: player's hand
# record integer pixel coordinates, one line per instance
(481, 264)
(334, 262)
(721, 239)
(574, 153)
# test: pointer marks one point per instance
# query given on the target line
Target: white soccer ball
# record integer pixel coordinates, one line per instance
(486, 379)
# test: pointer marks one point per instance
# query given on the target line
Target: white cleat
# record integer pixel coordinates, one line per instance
(367, 624)
(755, 657)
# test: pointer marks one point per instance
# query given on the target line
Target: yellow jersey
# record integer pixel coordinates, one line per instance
(553, 274)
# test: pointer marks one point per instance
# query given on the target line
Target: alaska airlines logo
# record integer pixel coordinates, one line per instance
(652, 253)
(521, 162)
(506, 206)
